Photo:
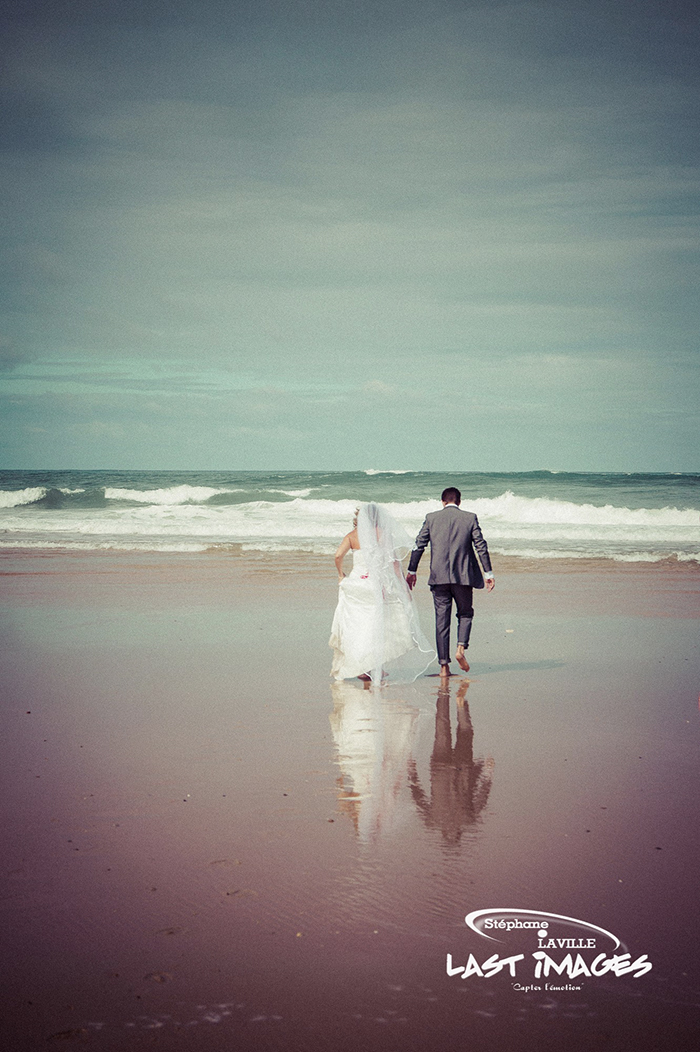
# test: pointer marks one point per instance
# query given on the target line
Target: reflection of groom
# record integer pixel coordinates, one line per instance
(453, 535)
(459, 784)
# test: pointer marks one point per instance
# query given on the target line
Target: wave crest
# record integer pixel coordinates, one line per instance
(510, 508)
(170, 496)
(15, 498)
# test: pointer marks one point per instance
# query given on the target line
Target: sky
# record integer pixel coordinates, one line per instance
(310, 234)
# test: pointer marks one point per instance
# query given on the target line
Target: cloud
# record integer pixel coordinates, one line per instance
(219, 199)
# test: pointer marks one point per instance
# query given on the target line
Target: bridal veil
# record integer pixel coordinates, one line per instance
(384, 543)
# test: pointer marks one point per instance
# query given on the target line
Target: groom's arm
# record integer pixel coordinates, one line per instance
(479, 542)
(422, 541)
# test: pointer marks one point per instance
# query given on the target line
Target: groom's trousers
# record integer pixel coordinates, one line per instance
(443, 594)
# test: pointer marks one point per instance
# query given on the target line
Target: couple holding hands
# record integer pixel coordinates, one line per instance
(376, 634)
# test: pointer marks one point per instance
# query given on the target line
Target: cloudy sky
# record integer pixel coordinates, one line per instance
(319, 234)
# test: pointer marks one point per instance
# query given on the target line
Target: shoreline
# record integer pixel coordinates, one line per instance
(314, 561)
(664, 588)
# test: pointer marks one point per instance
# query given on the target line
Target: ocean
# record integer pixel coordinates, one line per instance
(539, 514)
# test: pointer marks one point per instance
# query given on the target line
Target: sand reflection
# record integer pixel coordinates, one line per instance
(374, 738)
(459, 783)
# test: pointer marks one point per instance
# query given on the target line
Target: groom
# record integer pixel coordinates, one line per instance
(453, 535)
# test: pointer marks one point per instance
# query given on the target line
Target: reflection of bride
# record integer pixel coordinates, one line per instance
(374, 739)
(376, 634)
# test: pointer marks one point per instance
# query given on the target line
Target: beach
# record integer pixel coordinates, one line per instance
(211, 846)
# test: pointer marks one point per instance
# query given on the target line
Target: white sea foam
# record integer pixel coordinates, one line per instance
(596, 553)
(171, 495)
(15, 498)
(291, 492)
(539, 510)
(137, 545)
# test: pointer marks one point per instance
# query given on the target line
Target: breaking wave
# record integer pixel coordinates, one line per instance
(312, 513)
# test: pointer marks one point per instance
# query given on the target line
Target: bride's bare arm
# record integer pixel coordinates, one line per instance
(343, 549)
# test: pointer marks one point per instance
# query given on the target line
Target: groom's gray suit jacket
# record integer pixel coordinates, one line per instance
(453, 536)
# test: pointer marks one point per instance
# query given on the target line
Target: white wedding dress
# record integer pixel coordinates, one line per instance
(376, 632)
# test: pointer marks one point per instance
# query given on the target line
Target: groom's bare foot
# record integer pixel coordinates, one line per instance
(445, 671)
(461, 659)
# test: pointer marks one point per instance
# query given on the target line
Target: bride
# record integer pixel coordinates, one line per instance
(376, 633)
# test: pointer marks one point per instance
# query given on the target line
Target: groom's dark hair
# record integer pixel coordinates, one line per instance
(451, 495)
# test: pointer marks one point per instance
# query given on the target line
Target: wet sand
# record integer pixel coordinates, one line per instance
(210, 847)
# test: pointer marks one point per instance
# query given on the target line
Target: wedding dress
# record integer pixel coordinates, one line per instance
(375, 629)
